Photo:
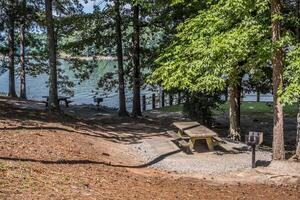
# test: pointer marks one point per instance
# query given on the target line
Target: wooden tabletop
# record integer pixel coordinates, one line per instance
(185, 125)
(200, 132)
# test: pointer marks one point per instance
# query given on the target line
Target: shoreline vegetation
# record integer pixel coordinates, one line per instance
(81, 58)
(89, 58)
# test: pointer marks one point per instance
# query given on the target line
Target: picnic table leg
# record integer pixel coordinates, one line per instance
(192, 143)
(210, 144)
(180, 133)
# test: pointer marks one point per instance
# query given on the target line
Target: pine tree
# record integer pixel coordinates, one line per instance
(298, 115)
(122, 97)
(53, 104)
(11, 46)
(22, 52)
(136, 107)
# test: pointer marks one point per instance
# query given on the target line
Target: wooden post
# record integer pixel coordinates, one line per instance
(153, 102)
(170, 99)
(144, 102)
(179, 98)
(163, 99)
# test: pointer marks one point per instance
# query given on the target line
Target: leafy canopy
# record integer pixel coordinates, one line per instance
(229, 37)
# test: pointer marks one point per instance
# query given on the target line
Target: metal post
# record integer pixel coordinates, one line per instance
(179, 98)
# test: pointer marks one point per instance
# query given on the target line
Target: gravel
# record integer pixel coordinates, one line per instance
(161, 153)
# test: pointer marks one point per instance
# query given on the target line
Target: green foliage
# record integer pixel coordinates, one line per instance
(291, 92)
(175, 108)
(228, 38)
(259, 80)
(200, 107)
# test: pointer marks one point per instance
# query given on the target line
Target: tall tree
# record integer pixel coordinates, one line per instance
(122, 98)
(298, 115)
(277, 62)
(206, 59)
(136, 107)
(235, 105)
(11, 46)
(22, 52)
(53, 104)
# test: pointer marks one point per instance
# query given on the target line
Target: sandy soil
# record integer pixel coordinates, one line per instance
(46, 156)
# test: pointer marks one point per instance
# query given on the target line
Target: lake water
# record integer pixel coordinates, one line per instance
(85, 91)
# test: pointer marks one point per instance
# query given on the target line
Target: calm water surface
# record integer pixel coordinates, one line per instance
(85, 91)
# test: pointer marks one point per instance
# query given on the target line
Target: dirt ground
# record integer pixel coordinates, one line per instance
(46, 156)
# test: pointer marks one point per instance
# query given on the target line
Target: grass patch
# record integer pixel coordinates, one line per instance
(259, 107)
(246, 108)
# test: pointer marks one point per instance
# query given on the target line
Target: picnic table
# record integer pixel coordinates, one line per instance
(60, 98)
(195, 131)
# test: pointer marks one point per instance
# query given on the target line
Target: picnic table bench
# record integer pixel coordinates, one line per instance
(190, 132)
(60, 98)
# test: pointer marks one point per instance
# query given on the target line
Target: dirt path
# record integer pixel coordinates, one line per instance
(57, 157)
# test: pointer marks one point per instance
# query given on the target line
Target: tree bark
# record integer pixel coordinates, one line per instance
(136, 110)
(53, 104)
(277, 62)
(234, 112)
(298, 116)
(22, 54)
(257, 95)
(122, 97)
(11, 46)
(298, 132)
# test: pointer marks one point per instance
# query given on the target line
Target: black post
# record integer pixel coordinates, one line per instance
(163, 99)
(144, 102)
(253, 156)
(153, 102)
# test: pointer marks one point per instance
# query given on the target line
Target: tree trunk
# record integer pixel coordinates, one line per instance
(298, 132)
(298, 116)
(53, 104)
(298, 16)
(11, 46)
(234, 112)
(122, 97)
(239, 95)
(136, 110)
(277, 62)
(22, 55)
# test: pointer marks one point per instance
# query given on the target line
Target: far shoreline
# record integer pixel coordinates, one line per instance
(82, 58)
